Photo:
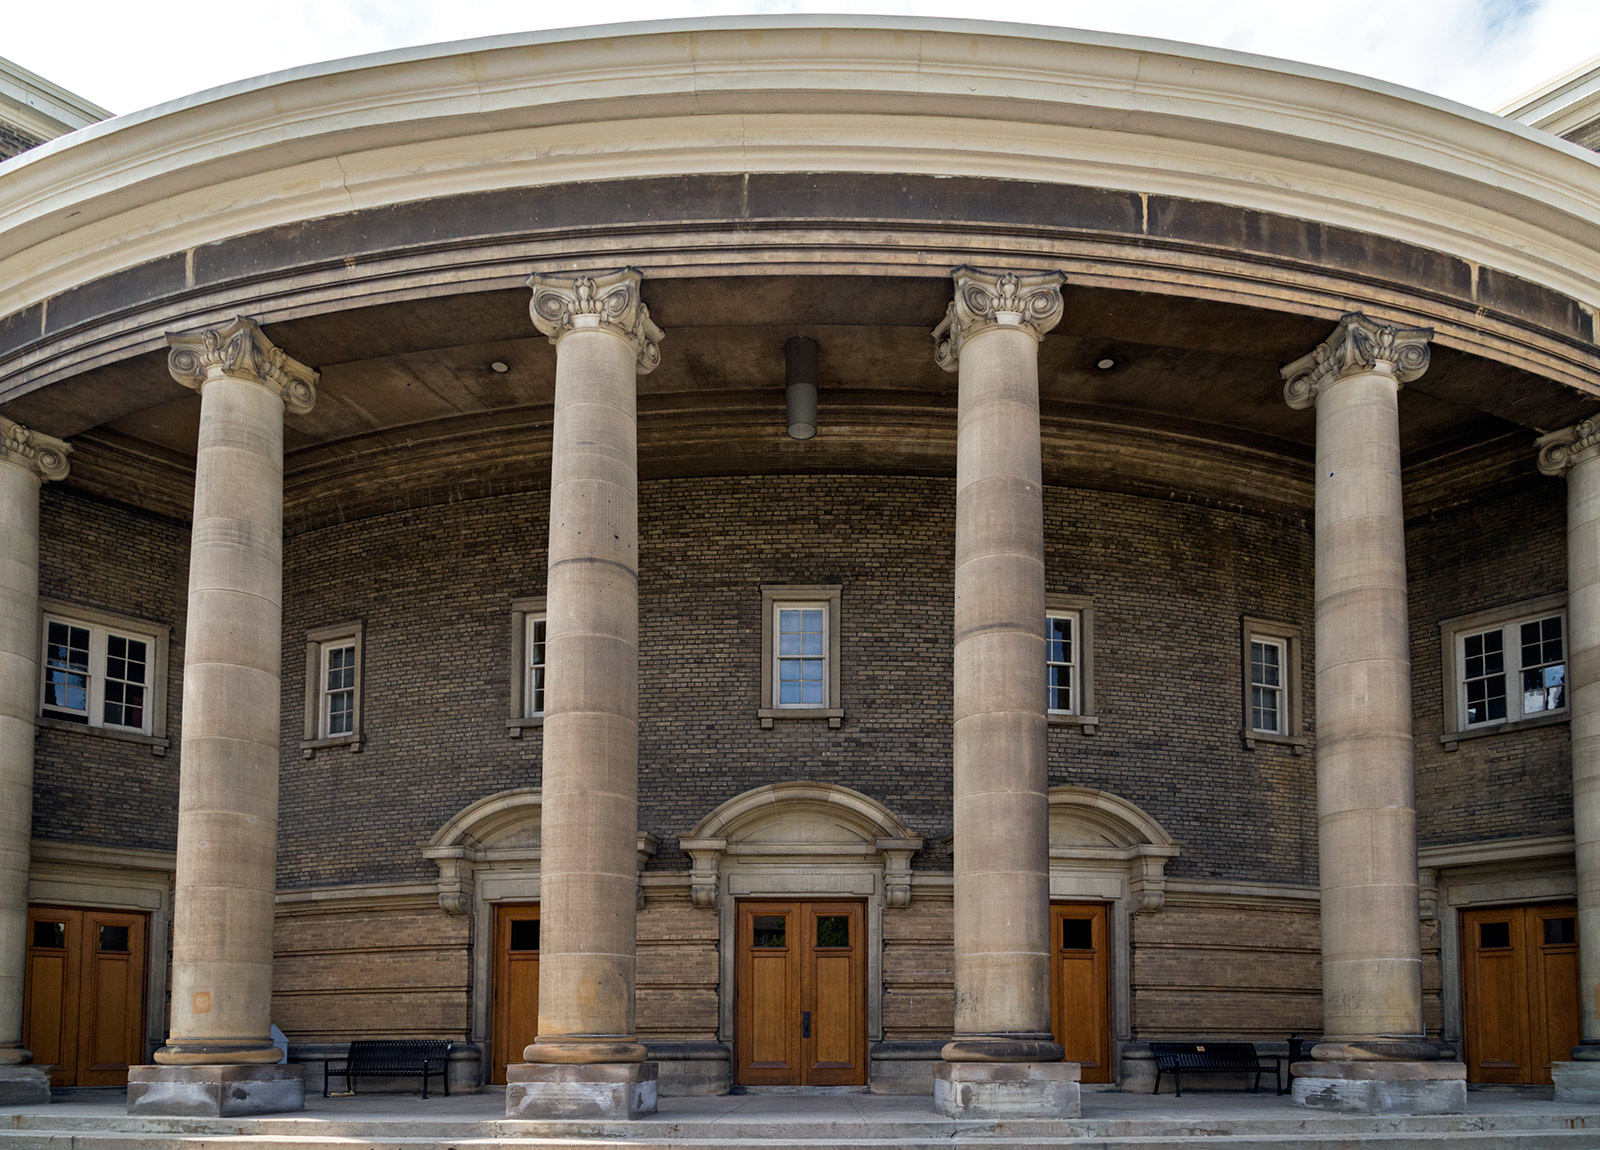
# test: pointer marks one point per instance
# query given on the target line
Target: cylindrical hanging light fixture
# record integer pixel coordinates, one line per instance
(800, 361)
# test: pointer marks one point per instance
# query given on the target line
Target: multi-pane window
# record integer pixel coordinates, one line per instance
(1512, 671)
(338, 689)
(1267, 665)
(99, 676)
(1061, 662)
(802, 654)
(533, 666)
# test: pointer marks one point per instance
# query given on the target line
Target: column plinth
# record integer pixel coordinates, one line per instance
(27, 460)
(1575, 453)
(226, 883)
(990, 338)
(1366, 806)
(585, 1061)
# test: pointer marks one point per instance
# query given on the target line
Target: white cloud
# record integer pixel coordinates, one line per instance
(127, 56)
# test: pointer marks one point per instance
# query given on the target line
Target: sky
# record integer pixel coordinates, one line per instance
(129, 54)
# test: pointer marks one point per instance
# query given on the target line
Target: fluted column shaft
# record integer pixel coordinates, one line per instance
(26, 459)
(589, 863)
(1575, 452)
(228, 780)
(1001, 788)
(1366, 816)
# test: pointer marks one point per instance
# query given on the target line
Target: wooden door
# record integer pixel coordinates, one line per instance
(1080, 986)
(83, 995)
(1520, 991)
(800, 991)
(516, 985)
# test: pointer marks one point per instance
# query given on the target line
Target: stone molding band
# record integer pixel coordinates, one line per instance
(238, 350)
(41, 454)
(1358, 344)
(608, 301)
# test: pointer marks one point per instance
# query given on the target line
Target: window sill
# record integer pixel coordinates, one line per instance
(158, 746)
(310, 747)
(834, 715)
(515, 727)
(1085, 723)
(1297, 743)
(1450, 738)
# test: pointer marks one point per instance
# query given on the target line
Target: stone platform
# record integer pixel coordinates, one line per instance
(1111, 1120)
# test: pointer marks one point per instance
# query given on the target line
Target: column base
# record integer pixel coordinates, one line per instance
(598, 1090)
(1007, 1089)
(216, 1091)
(1372, 1087)
(22, 1085)
(1576, 1081)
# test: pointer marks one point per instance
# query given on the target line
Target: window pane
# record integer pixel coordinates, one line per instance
(68, 691)
(1560, 931)
(113, 939)
(769, 931)
(1077, 934)
(525, 934)
(833, 930)
(1060, 688)
(50, 935)
(1493, 934)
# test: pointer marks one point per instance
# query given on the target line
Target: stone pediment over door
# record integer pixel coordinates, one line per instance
(800, 824)
(1104, 847)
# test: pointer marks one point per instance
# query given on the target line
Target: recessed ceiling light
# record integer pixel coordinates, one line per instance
(1106, 364)
(500, 367)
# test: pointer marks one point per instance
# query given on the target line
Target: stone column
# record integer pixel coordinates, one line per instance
(1575, 452)
(585, 1061)
(1003, 1059)
(27, 459)
(219, 1053)
(1374, 1054)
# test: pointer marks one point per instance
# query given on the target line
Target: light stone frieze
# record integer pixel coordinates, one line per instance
(239, 350)
(606, 300)
(1359, 343)
(1561, 450)
(1030, 301)
(43, 455)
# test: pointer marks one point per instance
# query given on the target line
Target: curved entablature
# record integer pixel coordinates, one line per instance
(818, 823)
(1174, 163)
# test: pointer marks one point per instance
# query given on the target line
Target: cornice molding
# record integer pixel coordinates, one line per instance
(1030, 302)
(41, 454)
(238, 350)
(1358, 344)
(607, 301)
(1561, 451)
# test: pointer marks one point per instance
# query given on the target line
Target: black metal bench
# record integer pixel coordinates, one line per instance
(1180, 1058)
(392, 1058)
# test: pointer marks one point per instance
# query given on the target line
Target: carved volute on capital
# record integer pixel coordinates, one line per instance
(1561, 450)
(1358, 344)
(238, 350)
(43, 455)
(605, 300)
(1030, 302)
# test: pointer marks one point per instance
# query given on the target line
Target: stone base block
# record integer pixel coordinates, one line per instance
(595, 1090)
(215, 1091)
(1382, 1087)
(1007, 1089)
(1576, 1081)
(24, 1085)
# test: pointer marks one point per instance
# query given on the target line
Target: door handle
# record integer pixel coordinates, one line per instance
(805, 1024)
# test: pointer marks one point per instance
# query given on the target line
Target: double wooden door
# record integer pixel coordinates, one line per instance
(800, 991)
(516, 985)
(83, 994)
(1080, 986)
(1520, 991)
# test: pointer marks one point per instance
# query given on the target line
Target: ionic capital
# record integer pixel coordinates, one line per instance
(1029, 302)
(238, 350)
(1561, 451)
(1359, 344)
(43, 455)
(608, 301)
